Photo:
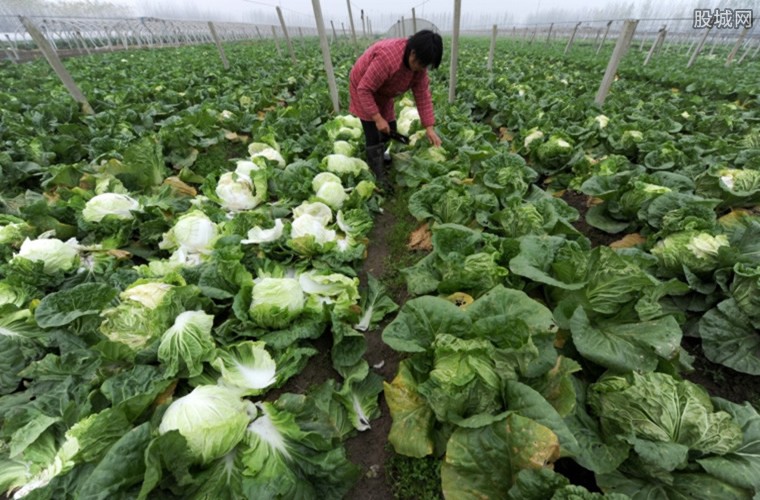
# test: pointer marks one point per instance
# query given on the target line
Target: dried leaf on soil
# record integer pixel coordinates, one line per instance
(421, 239)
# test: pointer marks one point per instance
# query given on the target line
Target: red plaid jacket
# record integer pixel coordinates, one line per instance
(379, 75)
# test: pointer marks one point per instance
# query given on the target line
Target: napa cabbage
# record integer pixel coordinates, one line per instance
(695, 250)
(193, 233)
(265, 152)
(344, 165)
(276, 302)
(212, 419)
(120, 206)
(258, 235)
(57, 256)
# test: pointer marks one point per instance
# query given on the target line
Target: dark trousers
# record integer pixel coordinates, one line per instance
(372, 136)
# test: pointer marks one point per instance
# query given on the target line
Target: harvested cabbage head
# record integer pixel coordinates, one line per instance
(54, 253)
(212, 419)
(276, 302)
(117, 205)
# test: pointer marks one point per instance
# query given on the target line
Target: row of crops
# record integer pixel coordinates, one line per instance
(522, 327)
(165, 266)
(168, 262)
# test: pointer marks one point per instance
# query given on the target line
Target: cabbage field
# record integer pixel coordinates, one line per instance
(186, 305)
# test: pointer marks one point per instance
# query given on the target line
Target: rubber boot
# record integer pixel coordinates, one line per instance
(377, 165)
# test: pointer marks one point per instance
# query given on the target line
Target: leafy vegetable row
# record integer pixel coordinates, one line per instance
(153, 294)
(532, 332)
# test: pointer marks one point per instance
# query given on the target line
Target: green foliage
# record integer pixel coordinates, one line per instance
(95, 298)
(414, 478)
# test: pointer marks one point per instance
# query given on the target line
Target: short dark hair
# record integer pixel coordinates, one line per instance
(427, 47)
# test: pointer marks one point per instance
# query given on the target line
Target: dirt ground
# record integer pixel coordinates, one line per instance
(369, 449)
(579, 201)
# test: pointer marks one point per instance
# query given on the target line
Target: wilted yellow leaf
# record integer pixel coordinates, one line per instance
(166, 395)
(119, 254)
(593, 201)
(505, 134)
(180, 187)
(562, 337)
(628, 241)
(51, 196)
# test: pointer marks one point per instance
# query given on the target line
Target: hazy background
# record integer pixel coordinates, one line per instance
(381, 13)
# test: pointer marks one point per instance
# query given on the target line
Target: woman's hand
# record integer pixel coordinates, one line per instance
(381, 124)
(432, 136)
